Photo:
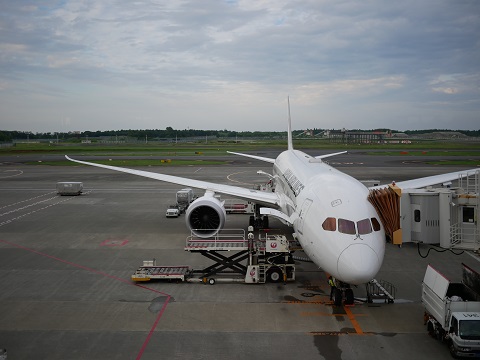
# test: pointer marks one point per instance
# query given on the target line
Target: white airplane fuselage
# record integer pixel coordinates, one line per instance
(313, 192)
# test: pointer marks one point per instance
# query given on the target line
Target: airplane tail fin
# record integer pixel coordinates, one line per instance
(289, 130)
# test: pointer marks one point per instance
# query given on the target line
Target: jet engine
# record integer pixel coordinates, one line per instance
(205, 216)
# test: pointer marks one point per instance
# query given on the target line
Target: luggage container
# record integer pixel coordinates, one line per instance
(69, 188)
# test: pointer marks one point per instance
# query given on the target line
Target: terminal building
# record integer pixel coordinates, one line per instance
(357, 137)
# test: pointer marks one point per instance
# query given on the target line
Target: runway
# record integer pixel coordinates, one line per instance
(66, 293)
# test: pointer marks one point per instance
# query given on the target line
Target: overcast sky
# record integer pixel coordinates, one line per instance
(72, 65)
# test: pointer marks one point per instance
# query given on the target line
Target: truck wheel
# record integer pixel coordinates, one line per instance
(274, 275)
(430, 329)
(451, 347)
(265, 222)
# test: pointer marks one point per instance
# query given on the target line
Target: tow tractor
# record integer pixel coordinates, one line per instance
(251, 261)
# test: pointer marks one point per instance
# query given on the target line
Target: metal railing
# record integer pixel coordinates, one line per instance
(222, 237)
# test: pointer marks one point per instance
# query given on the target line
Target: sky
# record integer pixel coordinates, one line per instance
(77, 65)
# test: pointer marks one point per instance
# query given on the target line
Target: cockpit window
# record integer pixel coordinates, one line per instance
(376, 224)
(364, 227)
(330, 224)
(346, 226)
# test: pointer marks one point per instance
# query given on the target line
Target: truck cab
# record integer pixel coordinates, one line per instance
(464, 334)
(452, 310)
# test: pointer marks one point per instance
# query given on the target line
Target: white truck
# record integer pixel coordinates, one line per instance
(452, 310)
(184, 198)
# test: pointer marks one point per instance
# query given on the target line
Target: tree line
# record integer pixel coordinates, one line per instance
(170, 133)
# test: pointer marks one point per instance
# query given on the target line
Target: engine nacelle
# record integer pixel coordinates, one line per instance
(205, 216)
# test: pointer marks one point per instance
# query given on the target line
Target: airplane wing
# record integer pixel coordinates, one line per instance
(261, 197)
(269, 160)
(430, 180)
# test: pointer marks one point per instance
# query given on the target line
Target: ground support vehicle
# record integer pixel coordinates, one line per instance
(172, 212)
(380, 290)
(150, 271)
(248, 260)
(184, 198)
(69, 188)
(452, 310)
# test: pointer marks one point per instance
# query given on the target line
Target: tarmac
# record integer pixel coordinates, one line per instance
(66, 291)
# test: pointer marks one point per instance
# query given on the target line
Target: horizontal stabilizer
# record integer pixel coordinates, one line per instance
(328, 155)
(261, 158)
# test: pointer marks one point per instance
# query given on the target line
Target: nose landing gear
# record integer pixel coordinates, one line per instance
(343, 291)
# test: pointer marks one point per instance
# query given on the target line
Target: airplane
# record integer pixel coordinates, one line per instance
(338, 228)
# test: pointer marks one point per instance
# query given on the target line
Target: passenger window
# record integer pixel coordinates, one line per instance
(364, 227)
(376, 224)
(330, 224)
(346, 227)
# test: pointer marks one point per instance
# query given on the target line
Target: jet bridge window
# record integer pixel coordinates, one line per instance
(330, 224)
(346, 227)
(468, 214)
(416, 215)
(364, 227)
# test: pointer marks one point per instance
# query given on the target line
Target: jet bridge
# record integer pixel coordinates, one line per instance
(447, 215)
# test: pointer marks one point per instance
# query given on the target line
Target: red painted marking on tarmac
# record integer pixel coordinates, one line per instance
(162, 310)
(111, 242)
(150, 334)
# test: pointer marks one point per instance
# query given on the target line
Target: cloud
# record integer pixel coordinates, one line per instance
(246, 55)
(445, 90)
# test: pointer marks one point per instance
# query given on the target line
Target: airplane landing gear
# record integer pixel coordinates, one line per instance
(259, 222)
(343, 291)
(337, 297)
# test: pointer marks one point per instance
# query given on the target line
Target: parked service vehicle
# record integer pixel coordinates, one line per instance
(452, 310)
(172, 212)
(184, 198)
(69, 188)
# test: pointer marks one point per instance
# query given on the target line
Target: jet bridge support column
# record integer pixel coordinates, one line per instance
(444, 214)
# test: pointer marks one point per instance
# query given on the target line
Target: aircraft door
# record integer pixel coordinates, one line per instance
(303, 213)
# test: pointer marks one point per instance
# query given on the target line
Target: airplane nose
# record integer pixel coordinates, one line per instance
(358, 264)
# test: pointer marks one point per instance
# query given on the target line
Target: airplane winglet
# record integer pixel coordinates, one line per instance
(290, 141)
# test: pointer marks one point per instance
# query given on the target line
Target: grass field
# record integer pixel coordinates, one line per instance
(140, 162)
(202, 151)
(239, 145)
